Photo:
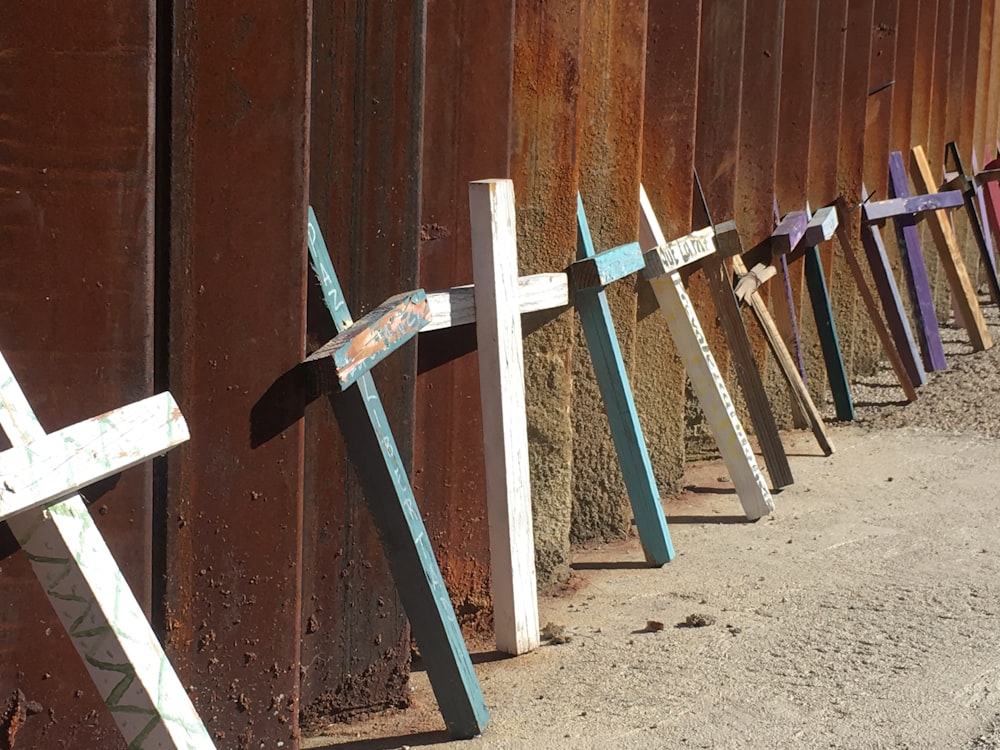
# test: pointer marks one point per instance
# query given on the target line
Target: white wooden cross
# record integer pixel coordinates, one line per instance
(663, 262)
(74, 565)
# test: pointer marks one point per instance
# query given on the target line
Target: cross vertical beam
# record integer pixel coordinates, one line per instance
(505, 424)
(372, 450)
(915, 272)
(616, 391)
(706, 379)
(96, 606)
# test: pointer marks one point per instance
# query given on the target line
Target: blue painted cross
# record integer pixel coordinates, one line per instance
(609, 367)
(372, 449)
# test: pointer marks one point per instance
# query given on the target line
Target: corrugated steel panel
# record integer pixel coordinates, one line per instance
(76, 305)
(238, 271)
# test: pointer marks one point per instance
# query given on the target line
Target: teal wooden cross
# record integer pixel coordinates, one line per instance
(372, 449)
(609, 367)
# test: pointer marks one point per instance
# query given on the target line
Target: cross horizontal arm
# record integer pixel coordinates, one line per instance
(375, 336)
(58, 465)
(987, 176)
(878, 211)
(822, 227)
(457, 306)
(674, 255)
(789, 232)
(605, 267)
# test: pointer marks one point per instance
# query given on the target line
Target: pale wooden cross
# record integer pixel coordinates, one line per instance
(74, 565)
(664, 260)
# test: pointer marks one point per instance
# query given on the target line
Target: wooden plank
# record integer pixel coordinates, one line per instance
(826, 329)
(986, 176)
(789, 232)
(421, 588)
(910, 205)
(969, 196)
(505, 427)
(822, 227)
(676, 254)
(616, 391)
(96, 606)
(786, 363)
(951, 257)
(706, 379)
(356, 350)
(869, 301)
(63, 462)
(892, 305)
(915, 272)
(457, 306)
(747, 372)
(606, 267)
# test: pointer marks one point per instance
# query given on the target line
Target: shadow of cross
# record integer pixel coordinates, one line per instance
(372, 449)
(74, 565)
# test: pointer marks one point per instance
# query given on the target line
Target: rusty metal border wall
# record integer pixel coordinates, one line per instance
(256, 554)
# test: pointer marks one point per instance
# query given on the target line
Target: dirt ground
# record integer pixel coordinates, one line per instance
(864, 613)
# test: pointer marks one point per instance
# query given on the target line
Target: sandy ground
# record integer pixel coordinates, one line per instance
(865, 613)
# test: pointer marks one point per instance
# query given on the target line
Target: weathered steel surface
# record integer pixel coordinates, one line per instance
(612, 67)
(755, 173)
(791, 179)
(546, 87)
(903, 75)
(237, 324)
(941, 54)
(858, 344)
(717, 132)
(879, 106)
(981, 88)
(467, 103)
(667, 164)
(364, 184)
(76, 217)
(824, 140)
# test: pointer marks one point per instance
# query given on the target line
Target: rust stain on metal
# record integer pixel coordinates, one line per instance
(466, 136)
(239, 140)
(544, 168)
(76, 195)
(367, 89)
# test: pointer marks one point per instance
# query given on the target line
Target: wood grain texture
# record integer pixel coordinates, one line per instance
(63, 462)
(706, 379)
(789, 232)
(968, 188)
(878, 211)
(951, 257)
(505, 428)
